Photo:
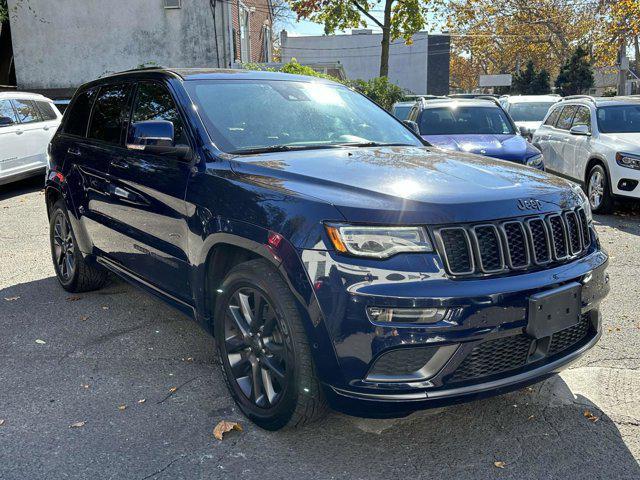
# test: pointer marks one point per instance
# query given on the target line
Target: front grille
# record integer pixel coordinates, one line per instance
(518, 244)
(511, 353)
(494, 356)
(569, 336)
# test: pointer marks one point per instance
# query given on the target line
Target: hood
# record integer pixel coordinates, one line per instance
(406, 184)
(531, 126)
(511, 147)
(624, 142)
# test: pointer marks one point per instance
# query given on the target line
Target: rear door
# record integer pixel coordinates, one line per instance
(561, 139)
(542, 136)
(148, 192)
(577, 150)
(12, 148)
(32, 137)
(50, 118)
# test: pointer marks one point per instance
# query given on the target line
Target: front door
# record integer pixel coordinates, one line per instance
(32, 138)
(12, 148)
(148, 192)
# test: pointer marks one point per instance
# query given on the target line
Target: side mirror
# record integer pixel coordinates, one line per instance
(155, 137)
(6, 121)
(413, 126)
(580, 130)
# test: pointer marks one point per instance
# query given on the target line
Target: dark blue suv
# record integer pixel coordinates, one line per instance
(337, 258)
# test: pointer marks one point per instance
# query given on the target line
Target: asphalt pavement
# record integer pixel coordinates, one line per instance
(113, 384)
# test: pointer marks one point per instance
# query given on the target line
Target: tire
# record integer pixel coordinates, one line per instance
(293, 396)
(598, 190)
(73, 272)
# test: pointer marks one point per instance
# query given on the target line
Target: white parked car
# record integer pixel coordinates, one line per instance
(27, 124)
(528, 111)
(595, 142)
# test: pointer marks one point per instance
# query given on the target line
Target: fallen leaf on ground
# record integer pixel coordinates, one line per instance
(40, 342)
(172, 389)
(77, 425)
(224, 427)
(531, 417)
(104, 307)
(498, 464)
(122, 407)
(142, 400)
(1, 421)
(12, 299)
(84, 318)
(590, 416)
(86, 385)
(75, 298)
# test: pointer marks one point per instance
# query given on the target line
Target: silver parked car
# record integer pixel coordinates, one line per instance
(27, 124)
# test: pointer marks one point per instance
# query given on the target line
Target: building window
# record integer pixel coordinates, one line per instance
(172, 3)
(245, 43)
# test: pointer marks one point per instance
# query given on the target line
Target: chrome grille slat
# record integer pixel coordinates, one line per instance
(519, 244)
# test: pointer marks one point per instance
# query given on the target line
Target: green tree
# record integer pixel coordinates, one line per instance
(4, 11)
(531, 82)
(576, 75)
(400, 18)
(380, 90)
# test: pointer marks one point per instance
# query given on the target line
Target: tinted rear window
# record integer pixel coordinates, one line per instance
(108, 113)
(6, 111)
(27, 111)
(78, 116)
(46, 110)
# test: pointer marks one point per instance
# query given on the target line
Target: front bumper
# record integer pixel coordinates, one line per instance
(481, 311)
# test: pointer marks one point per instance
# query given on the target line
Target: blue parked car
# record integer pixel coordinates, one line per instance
(337, 260)
(476, 125)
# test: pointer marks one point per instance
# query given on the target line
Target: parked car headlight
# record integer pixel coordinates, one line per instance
(628, 160)
(378, 242)
(583, 199)
(536, 161)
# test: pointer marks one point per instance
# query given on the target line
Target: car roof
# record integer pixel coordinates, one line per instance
(531, 98)
(404, 104)
(601, 101)
(23, 96)
(190, 74)
(453, 102)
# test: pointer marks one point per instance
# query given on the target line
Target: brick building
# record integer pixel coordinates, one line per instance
(251, 22)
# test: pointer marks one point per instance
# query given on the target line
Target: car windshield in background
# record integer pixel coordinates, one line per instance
(529, 111)
(251, 116)
(402, 111)
(619, 119)
(457, 120)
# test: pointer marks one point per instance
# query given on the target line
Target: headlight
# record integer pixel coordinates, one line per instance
(584, 200)
(378, 242)
(535, 161)
(628, 160)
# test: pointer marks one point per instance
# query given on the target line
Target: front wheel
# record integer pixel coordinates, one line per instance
(598, 190)
(263, 349)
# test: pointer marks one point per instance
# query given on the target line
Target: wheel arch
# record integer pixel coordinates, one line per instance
(596, 160)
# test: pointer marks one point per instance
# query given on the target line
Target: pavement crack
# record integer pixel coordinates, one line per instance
(159, 471)
(170, 394)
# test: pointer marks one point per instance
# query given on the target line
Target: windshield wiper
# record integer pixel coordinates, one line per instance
(280, 148)
(374, 144)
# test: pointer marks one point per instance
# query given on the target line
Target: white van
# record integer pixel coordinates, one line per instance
(27, 124)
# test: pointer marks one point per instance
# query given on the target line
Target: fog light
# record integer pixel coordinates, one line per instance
(406, 315)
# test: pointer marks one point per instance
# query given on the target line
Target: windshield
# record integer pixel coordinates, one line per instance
(529, 111)
(401, 111)
(457, 120)
(619, 119)
(245, 116)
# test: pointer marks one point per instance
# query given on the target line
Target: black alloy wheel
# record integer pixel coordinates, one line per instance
(63, 247)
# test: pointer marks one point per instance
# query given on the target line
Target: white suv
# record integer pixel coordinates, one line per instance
(27, 124)
(595, 142)
(528, 111)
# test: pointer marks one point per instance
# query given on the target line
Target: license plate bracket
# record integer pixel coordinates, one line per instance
(554, 310)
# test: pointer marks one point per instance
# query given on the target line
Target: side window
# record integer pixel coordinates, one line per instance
(27, 111)
(7, 114)
(553, 117)
(154, 102)
(108, 114)
(78, 116)
(566, 117)
(46, 111)
(583, 117)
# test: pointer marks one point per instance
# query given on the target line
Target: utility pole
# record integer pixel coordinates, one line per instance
(623, 68)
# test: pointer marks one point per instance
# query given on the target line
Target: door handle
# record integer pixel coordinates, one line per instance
(45, 128)
(19, 132)
(119, 164)
(73, 151)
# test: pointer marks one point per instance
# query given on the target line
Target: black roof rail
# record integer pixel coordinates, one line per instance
(579, 97)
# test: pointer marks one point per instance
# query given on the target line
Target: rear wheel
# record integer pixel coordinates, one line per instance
(73, 272)
(263, 349)
(598, 190)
